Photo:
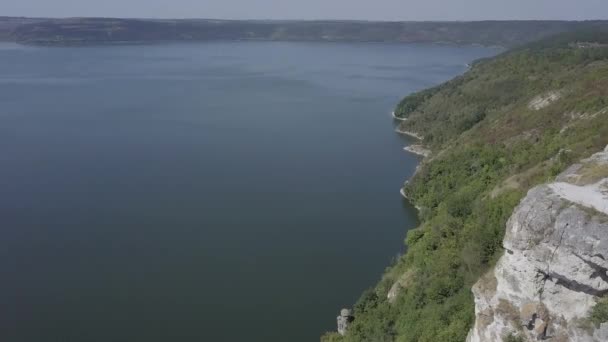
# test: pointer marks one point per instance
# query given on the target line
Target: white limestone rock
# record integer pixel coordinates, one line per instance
(555, 265)
(544, 100)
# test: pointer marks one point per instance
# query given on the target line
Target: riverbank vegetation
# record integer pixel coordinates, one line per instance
(509, 123)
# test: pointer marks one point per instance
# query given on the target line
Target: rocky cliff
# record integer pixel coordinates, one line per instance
(554, 269)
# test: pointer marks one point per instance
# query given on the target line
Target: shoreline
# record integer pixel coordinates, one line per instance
(410, 201)
(418, 149)
(403, 193)
(411, 134)
(396, 117)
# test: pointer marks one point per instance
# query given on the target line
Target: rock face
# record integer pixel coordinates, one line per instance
(555, 264)
(544, 100)
(418, 149)
(344, 321)
(404, 281)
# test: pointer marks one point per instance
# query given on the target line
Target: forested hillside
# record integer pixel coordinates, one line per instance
(509, 123)
(76, 31)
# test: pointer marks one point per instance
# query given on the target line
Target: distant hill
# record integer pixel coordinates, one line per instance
(78, 31)
(8, 25)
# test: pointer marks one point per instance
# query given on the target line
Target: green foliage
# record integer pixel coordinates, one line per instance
(367, 302)
(411, 102)
(599, 313)
(513, 338)
(332, 337)
(499, 85)
(490, 148)
(106, 30)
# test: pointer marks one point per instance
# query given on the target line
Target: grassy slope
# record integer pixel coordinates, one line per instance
(489, 148)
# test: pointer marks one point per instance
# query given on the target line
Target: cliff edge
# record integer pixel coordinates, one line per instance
(554, 269)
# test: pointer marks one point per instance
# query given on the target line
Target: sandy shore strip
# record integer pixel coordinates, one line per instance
(411, 134)
(418, 149)
(397, 118)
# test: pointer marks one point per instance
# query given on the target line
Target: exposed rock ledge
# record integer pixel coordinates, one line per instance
(398, 118)
(411, 134)
(555, 265)
(544, 100)
(418, 149)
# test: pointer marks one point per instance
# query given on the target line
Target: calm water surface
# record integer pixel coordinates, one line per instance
(201, 192)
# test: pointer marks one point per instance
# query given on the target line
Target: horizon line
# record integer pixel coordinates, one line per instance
(300, 20)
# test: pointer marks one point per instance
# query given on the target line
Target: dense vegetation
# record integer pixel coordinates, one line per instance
(490, 144)
(108, 30)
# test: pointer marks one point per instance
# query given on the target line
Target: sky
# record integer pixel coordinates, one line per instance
(400, 10)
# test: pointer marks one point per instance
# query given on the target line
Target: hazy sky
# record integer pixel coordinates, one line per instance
(314, 9)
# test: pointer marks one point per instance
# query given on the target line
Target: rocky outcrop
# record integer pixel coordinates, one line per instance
(542, 101)
(555, 266)
(418, 150)
(404, 281)
(410, 133)
(344, 320)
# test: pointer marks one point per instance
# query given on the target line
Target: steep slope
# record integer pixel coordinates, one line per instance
(510, 123)
(554, 270)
